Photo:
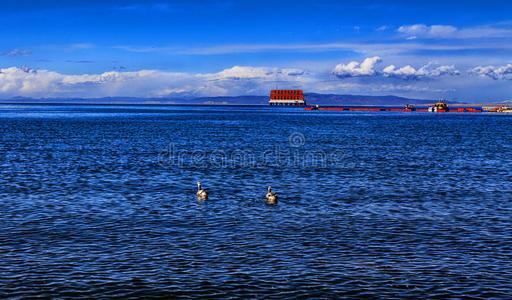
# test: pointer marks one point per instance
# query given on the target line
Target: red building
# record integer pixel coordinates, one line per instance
(287, 97)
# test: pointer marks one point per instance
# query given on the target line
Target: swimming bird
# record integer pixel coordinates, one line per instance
(271, 197)
(202, 194)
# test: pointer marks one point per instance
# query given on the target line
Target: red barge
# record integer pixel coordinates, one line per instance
(459, 109)
(438, 107)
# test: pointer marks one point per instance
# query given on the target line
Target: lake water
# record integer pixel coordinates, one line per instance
(99, 201)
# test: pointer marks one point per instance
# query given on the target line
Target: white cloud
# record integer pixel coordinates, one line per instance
(444, 70)
(405, 72)
(17, 52)
(355, 69)
(408, 72)
(422, 30)
(238, 72)
(503, 72)
(367, 69)
(448, 31)
(145, 83)
(484, 32)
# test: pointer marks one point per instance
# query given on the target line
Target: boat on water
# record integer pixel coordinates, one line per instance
(505, 109)
(499, 109)
(410, 107)
(439, 107)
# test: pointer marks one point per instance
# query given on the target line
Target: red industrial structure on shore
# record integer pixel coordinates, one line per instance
(287, 97)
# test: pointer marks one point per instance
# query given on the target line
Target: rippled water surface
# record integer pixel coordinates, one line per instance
(99, 201)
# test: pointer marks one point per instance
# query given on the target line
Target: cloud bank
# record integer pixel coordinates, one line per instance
(238, 80)
(367, 76)
(496, 73)
(368, 69)
(409, 72)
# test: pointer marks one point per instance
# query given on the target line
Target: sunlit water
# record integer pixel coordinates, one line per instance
(99, 201)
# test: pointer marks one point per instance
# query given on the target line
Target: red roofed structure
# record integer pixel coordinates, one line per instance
(287, 97)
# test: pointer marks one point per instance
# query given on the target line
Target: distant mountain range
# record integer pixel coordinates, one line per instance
(311, 99)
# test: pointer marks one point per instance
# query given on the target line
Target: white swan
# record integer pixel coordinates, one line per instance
(202, 194)
(271, 197)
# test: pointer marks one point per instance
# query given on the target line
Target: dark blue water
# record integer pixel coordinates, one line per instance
(99, 201)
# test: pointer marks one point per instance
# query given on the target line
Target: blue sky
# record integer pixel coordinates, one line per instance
(461, 50)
